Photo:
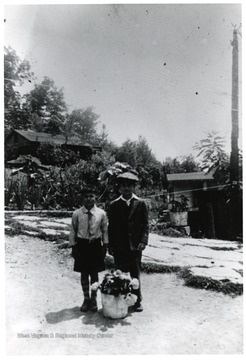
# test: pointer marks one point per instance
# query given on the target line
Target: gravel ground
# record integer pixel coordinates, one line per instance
(43, 297)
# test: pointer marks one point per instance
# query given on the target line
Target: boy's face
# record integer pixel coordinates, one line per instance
(89, 200)
(127, 188)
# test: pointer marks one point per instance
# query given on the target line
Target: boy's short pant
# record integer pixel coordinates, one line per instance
(89, 256)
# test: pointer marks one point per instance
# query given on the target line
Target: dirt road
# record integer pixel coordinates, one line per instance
(43, 297)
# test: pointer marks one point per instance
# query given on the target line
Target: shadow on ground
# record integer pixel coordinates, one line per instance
(103, 324)
(63, 315)
(90, 318)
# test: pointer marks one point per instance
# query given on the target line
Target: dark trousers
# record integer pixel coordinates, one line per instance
(130, 261)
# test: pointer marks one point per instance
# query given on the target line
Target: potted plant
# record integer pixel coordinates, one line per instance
(116, 293)
(179, 211)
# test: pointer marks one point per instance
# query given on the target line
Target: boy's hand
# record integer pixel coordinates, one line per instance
(104, 250)
(74, 251)
(141, 247)
(110, 250)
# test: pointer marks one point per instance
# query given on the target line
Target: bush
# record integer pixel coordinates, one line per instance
(51, 154)
(8, 187)
(20, 190)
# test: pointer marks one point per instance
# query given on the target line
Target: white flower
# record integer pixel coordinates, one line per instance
(117, 273)
(135, 284)
(95, 286)
(125, 276)
(130, 300)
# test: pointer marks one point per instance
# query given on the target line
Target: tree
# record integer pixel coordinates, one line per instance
(126, 153)
(16, 72)
(189, 164)
(144, 155)
(136, 153)
(103, 141)
(82, 123)
(183, 164)
(47, 103)
(139, 155)
(213, 156)
(172, 165)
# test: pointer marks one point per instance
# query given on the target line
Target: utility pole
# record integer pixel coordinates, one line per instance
(234, 158)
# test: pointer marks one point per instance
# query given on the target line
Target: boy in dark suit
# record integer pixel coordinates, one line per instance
(128, 230)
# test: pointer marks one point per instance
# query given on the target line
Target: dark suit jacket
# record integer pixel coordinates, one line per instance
(137, 229)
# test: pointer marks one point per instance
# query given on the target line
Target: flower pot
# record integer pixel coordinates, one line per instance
(179, 218)
(114, 307)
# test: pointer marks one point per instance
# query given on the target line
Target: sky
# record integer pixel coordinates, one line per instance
(156, 70)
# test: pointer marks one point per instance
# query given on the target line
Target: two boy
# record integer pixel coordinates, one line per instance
(125, 235)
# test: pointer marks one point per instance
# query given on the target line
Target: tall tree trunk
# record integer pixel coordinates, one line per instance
(234, 165)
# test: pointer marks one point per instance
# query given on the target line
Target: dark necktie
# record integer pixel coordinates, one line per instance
(89, 223)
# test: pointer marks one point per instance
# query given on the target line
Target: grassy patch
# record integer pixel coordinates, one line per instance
(217, 248)
(150, 268)
(17, 228)
(190, 280)
(201, 282)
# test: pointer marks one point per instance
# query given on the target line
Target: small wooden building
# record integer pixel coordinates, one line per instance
(189, 184)
(209, 208)
(27, 142)
(197, 187)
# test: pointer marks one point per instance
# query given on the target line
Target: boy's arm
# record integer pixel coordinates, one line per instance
(145, 233)
(104, 229)
(110, 225)
(73, 230)
(110, 230)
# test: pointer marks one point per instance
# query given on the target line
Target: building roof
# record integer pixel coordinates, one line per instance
(194, 176)
(35, 136)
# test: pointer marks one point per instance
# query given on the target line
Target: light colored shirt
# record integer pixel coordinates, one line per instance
(128, 202)
(98, 227)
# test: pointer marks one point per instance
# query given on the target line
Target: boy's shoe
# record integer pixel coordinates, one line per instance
(93, 304)
(138, 306)
(85, 306)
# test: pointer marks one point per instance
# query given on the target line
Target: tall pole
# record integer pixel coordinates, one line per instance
(234, 165)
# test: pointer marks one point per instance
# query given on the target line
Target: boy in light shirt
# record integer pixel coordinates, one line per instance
(88, 238)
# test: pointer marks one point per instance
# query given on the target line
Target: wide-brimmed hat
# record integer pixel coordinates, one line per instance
(127, 176)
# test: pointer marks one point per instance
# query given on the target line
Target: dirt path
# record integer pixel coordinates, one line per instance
(43, 296)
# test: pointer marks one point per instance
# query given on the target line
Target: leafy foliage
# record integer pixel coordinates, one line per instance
(116, 283)
(213, 156)
(27, 185)
(136, 153)
(64, 186)
(82, 123)
(20, 191)
(52, 154)
(139, 156)
(16, 72)
(48, 105)
(179, 206)
(8, 187)
(183, 164)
